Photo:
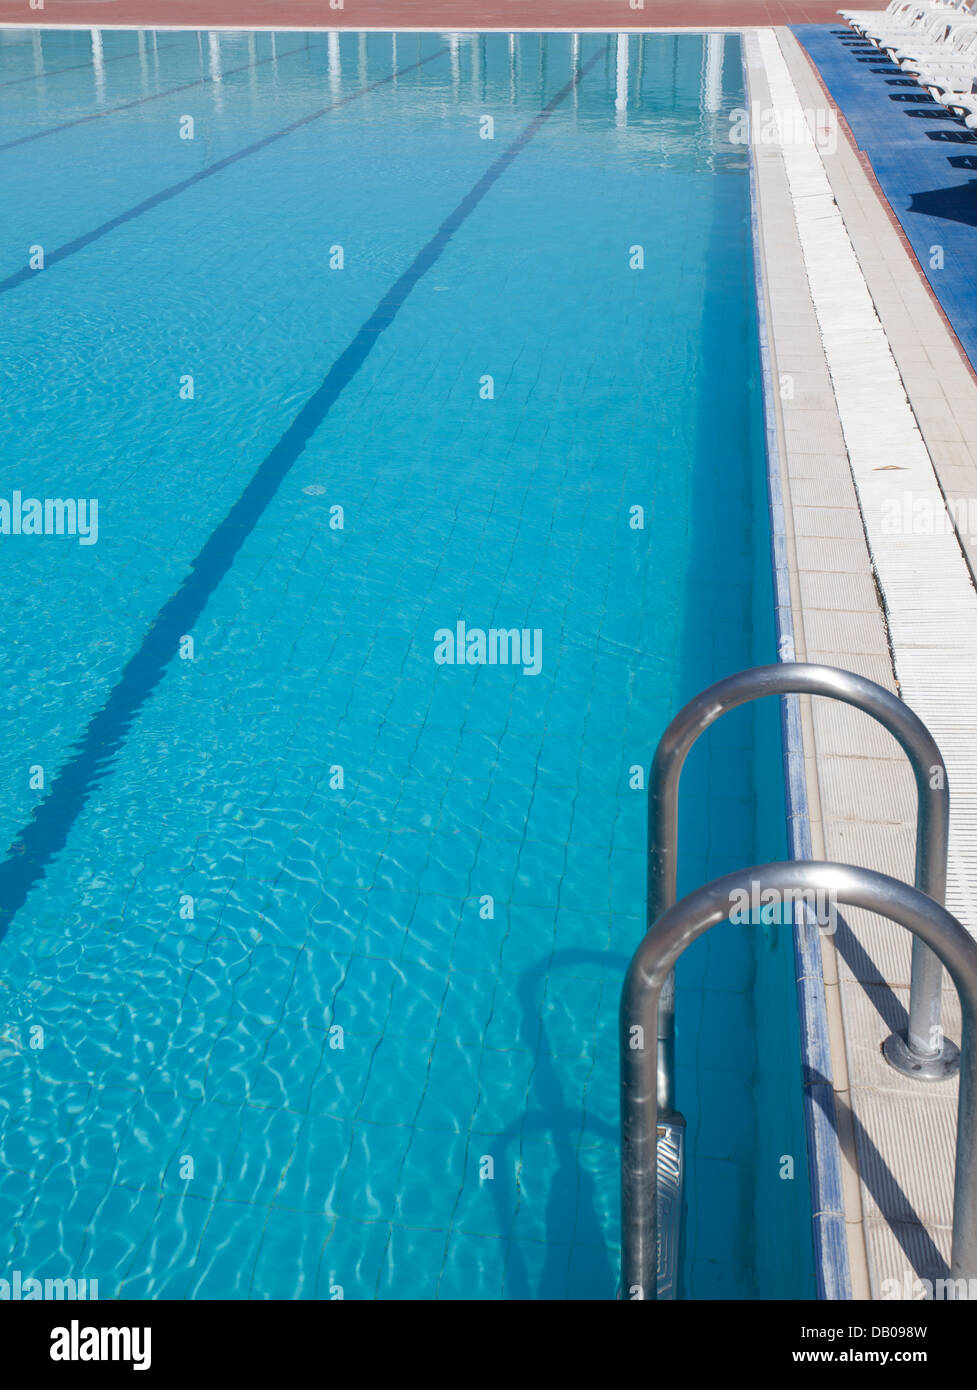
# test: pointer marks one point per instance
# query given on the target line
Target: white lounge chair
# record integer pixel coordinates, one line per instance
(934, 41)
(899, 16)
(962, 104)
(948, 78)
(923, 26)
(930, 28)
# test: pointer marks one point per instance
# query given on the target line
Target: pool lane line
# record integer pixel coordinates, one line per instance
(154, 96)
(70, 248)
(51, 821)
(74, 67)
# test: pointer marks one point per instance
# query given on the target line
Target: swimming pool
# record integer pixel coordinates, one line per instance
(322, 927)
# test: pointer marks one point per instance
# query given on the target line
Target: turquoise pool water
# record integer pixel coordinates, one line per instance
(313, 938)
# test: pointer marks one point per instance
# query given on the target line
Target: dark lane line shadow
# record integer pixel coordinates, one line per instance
(46, 833)
(142, 101)
(75, 67)
(155, 200)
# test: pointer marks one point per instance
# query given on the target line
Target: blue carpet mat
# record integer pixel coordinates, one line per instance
(924, 159)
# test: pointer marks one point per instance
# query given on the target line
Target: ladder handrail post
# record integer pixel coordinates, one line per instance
(655, 958)
(924, 1054)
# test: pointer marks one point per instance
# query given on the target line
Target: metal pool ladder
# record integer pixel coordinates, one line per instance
(648, 1085)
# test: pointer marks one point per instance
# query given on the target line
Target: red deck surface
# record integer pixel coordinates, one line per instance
(427, 14)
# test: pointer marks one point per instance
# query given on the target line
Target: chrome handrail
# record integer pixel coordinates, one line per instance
(645, 981)
(924, 1053)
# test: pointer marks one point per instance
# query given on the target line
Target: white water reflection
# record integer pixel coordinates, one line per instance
(214, 69)
(98, 66)
(712, 73)
(621, 99)
(335, 64)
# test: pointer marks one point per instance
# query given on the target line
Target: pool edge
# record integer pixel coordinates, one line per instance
(879, 385)
(824, 1149)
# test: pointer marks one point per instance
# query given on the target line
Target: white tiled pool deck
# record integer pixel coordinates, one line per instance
(877, 401)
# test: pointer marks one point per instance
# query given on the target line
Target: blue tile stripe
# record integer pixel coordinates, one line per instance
(47, 832)
(924, 160)
(71, 248)
(823, 1145)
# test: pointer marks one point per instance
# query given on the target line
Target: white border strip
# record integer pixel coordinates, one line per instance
(931, 604)
(376, 29)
